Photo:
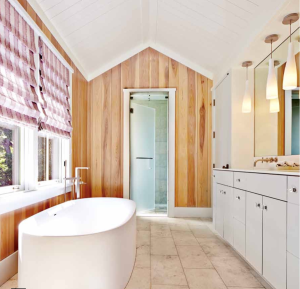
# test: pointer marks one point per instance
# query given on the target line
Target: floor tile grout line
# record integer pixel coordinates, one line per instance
(181, 264)
(213, 266)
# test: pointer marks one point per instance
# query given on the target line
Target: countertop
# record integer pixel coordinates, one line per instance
(274, 171)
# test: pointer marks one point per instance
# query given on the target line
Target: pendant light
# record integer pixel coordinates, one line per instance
(246, 108)
(272, 88)
(274, 105)
(290, 72)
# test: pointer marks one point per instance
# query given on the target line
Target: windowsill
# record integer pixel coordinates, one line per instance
(14, 201)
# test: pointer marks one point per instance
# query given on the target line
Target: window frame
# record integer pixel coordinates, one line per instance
(48, 182)
(16, 167)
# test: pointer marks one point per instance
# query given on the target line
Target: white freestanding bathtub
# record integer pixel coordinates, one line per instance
(87, 243)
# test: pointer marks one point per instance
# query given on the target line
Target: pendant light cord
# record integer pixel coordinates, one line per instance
(290, 30)
(271, 49)
(247, 72)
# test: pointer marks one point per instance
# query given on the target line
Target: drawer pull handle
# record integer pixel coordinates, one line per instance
(265, 207)
(238, 180)
(257, 205)
(224, 193)
(238, 197)
(293, 190)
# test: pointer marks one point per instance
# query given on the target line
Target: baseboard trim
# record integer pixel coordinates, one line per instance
(192, 212)
(8, 267)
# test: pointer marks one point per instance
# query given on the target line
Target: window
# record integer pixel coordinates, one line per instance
(9, 160)
(48, 158)
(35, 96)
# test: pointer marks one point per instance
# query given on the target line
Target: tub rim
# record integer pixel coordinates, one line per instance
(125, 221)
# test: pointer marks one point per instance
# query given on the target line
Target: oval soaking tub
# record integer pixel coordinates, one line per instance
(87, 243)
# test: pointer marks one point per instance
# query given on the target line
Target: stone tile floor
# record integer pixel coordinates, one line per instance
(184, 253)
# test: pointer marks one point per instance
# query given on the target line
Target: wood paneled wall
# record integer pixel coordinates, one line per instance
(151, 69)
(9, 222)
(79, 122)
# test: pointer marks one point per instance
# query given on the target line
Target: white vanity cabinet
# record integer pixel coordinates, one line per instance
(265, 222)
(239, 221)
(274, 242)
(254, 231)
(293, 233)
(224, 214)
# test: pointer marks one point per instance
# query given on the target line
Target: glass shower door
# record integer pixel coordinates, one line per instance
(142, 152)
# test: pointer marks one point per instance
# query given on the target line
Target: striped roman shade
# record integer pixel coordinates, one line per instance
(56, 117)
(18, 98)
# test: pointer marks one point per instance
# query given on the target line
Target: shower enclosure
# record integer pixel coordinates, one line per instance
(149, 152)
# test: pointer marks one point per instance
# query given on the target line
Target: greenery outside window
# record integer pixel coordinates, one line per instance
(48, 159)
(9, 158)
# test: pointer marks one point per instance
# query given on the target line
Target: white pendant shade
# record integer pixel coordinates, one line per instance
(290, 72)
(272, 88)
(274, 105)
(246, 108)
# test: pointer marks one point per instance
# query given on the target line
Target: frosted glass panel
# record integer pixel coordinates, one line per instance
(142, 157)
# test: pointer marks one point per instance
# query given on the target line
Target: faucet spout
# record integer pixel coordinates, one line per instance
(267, 160)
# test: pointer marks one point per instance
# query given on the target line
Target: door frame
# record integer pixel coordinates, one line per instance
(171, 143)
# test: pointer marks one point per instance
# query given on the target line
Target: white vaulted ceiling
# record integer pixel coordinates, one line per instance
(203, 34)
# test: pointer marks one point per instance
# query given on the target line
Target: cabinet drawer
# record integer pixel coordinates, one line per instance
(273, 186)
(240, 180)
(224, 178)
(239, 205)
(239, 239)
(293, 234)
(294, 190)
(293, 269)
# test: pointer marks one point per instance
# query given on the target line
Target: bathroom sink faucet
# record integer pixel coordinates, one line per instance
(78, 181)
(267, 160)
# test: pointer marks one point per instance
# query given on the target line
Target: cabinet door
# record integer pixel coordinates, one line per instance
(239, 237)
(239, 205)
(215, 193)
(223, 123)
(228, 214)
(219, 210)
(274, 242)
(293, 272)
(293, 230)
(254, 230)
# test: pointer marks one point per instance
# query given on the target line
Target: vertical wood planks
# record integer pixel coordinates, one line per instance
(163, 67)
(116, 126)
(144, 69)
(182, 148)
(202, 135)
(209, 141)
(106, 132)
(154, 68)
(191, 139)
(150, 69)
(174, 83)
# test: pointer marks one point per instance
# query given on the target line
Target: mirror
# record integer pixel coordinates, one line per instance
(277, 134)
